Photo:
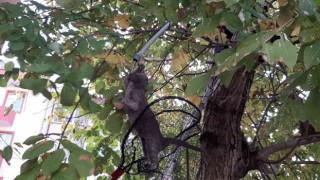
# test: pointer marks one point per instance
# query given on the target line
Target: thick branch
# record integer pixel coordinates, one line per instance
(266, 152)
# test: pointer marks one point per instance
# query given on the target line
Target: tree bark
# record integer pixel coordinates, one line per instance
(226, 152)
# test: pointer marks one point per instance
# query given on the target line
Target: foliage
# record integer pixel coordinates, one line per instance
(89, 47)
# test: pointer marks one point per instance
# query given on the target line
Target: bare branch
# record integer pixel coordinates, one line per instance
(307, 162)
(266, 152)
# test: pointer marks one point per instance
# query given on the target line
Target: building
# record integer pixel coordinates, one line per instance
(22, 115)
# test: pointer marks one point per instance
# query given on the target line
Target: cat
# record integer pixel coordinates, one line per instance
(147, 126)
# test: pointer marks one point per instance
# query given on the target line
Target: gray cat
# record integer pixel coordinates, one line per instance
(146, 126)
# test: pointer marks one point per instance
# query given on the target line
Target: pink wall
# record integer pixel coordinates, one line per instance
(10, 1)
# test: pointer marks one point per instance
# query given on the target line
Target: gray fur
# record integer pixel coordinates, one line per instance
(147, 126)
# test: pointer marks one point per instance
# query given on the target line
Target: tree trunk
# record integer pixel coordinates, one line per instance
(226, 153)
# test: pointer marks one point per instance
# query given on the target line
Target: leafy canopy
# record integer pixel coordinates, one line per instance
(77, 51)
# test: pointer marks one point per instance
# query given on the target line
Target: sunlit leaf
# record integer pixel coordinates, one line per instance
(122, 21)
(180, 60)
(207, 25)
(196, 100)
(281, 51)
(111, 57)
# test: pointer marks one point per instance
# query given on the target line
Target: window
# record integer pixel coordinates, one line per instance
(14, 101)
(5, 139)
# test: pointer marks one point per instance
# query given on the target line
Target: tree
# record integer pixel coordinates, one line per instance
(259, 59)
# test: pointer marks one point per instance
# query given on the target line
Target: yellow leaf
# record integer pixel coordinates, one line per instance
(109, 23)
(296, 31)
(180, 60)
(283, 2)
(122, 21)
(18, 144)
(267, 25)
(196, 100)
(221, 37)
(112, 57)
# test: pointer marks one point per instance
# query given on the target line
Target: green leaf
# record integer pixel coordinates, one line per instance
(23, 21)
(9, 66)
(32, 174)
(7, 153)
(171, 14)
(68, 95)
(66, 173)
(34, 84)
(115, 157)
(312, 54)
(281, 51)
(16, 45)
(85, 71)
(33, 139)
(207, 25)
(87, 103)
(295, 80)
(93, 106)
(198, 84)
(46, 94)
(230, 2)
(15, 73)
(114, 123)
(28, 165)
(315, 76)
(307, 7)
(82, 162)
(232, 21)
(312, 107)
(70, 146)
(37, 149)
(226, 76)
(105, 112)
(69, 4)
(53, 162)
(83, 46)
(252, 42)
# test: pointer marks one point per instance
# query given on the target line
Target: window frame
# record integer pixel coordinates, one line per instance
(24, 94)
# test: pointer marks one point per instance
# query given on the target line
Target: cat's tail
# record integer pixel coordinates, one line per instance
(179, 143)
